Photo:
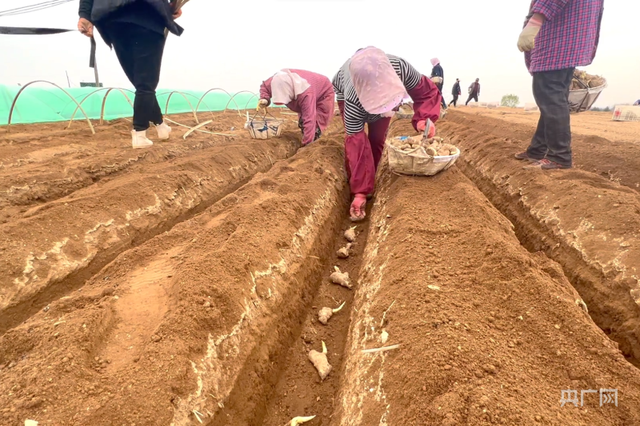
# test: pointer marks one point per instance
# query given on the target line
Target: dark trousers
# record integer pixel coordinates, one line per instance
(442, 102)
(139, 52)
(473, 96)
(552, 138)
(454, 101)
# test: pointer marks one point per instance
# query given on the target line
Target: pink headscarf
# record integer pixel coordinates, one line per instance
(286, 86)
(377, 85)
(435, 61)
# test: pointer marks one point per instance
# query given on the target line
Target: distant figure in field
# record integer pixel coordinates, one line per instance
(437, 76)
(637, 102)
(307, 93)
(474, 91)
(136, 31)
(455, 92)
(558, 36)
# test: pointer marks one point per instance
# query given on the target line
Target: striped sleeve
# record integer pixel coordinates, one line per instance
(354, 117)
(338, 86)
(409, 76)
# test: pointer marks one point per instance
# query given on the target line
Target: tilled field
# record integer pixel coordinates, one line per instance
(585, 221)
(69, 209)
(181, 284)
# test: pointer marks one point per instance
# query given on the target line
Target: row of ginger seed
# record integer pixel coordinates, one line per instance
(319, 359)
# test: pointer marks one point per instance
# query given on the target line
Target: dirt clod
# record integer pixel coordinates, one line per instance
(489, 369)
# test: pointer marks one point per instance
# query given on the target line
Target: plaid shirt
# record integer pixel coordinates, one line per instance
(569, 37)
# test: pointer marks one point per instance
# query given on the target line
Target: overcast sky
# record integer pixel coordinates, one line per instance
(237, 44)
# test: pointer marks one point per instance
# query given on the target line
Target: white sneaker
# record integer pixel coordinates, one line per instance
(139, 139)
(163, 131)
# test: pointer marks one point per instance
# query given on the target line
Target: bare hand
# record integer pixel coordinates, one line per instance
(176, 13)
(85, 27)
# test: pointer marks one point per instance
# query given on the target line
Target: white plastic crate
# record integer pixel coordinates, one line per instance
(626, 113)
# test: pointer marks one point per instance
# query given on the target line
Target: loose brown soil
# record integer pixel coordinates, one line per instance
(600, 145)
(45, 254)
(181, 284)
(584, 221)
(300, 392)
(194, 319)
(487, 332)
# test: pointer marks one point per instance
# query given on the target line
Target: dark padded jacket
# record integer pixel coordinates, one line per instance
(98, 11)
(455, 91)
(437, 71)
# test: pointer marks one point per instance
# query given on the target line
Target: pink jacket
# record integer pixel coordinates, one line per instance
(315, 106)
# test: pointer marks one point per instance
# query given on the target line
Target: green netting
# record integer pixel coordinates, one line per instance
(37, 104)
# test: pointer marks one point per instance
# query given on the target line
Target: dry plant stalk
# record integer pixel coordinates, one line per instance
(383, 349)
(193, 129)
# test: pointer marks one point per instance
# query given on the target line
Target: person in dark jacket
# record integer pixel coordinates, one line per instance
(455, 92)
(437, 76)
(136, 30)
(474, 91)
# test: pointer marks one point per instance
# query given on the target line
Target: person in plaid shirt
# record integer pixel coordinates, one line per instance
(558, 36)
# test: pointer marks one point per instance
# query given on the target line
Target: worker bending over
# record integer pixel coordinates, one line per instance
(369, 87)
(307, 93)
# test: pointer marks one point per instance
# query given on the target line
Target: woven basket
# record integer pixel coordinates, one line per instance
(417, 162)
(264, 128)
(583, 99)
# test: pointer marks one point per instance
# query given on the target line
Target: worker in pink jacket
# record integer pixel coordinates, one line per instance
(307, 93)
(370, 86)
